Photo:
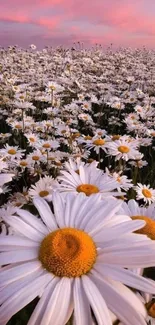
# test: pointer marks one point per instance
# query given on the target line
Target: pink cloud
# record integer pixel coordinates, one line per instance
(127, 22)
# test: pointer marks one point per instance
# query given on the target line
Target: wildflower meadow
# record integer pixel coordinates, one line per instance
(77, 186)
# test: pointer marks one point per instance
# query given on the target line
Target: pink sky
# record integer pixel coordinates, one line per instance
(65, 22)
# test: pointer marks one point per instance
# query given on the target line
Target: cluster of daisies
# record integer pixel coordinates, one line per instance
(77, 187)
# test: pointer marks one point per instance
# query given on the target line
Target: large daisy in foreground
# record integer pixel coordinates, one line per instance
(76, 261)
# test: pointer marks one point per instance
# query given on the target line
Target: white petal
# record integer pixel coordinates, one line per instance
(18, 256)
(23, 228)
(122, 301)
(45, 213)
(108, 233)
(33, 221)
(96, 301)
(127, 277)
(134, 208)
(67, 213)
(23, 297)
(39, 310)
(76, 206)
(125, 241)
(17, 272)
(83, 175)
(59, 206)
(143, 256)
(88, 204)
(104, 212)
(82, 313)
(15, 286)
(60, 306)
(15, 242)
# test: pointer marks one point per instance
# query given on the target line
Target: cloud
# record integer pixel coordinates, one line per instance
(120, 21)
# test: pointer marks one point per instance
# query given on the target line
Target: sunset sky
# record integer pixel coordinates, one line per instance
(63, 22)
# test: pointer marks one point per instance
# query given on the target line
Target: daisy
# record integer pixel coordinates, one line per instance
(89, 180)
(124, 182)
(96, 143)
(32, 138)
(17, 125)
(86, 106)
(123, 149)
(54, 87)
(4, 136)
(6, 211)
(145, 192)
(5, 178)
(48, 144)
(43, 188)
(3, 165)
(23, 163)
(63, 130)
(35, 157)
(76, 163)
(12, 152)
(85, 117)
(76, 258)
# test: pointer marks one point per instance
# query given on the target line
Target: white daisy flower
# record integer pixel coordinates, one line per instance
(89, 180)
(124, 182)
(76, 163)
(5, 178)
(123, 149)
(43, 188)
(54, 87)
(35, 157)
(97, 143)
(144, 192)
(76, 258)
(3, 165)
(32, 138)
(48, 144)
(11, 152)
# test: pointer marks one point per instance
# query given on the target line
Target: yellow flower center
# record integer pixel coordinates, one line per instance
(146, 193)
(99, 142)
(115, 137)
(148, 229)
(12, 151)
(43, 193)
(52, 87)
(21, 97)
(138, 163)
(18, 126)
(68, 252)
(23, 163)
(123, 149)
(150, 306)
(87, 137)
(88, 189)
(76, 135)
(31, 139)
(35, 158)
(46, 145)
(58, 163)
